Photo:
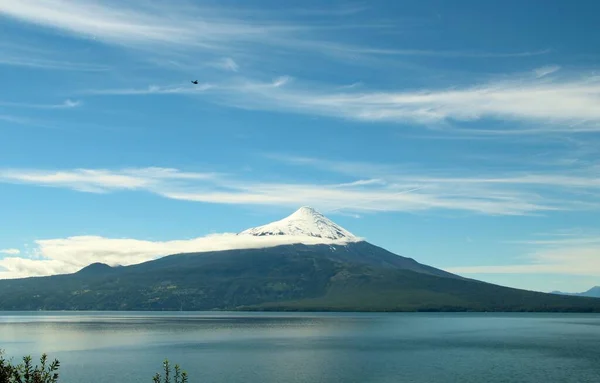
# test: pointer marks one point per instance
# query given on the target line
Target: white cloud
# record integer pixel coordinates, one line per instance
(365, 198)
(49, 64)
(118, 24)
(68, 255)
(358, 50)
(218, 30)
(567, 105)
(354, 168)
(20, 52)
(71, 104)
(566, 259)
(194, 35)
(573, 256)
(151, 23)
(154, 89)
(369, 189)
(227, 64)
(570, 252)
(67, 104)
(281, 81)
(546, 70)
(10, 251)
(582, 177)
(17, 267)
(15, 119)
(101, 180)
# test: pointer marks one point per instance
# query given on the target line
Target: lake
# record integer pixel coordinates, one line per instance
(112, 347)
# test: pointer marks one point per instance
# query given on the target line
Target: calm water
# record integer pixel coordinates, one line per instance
(223, 347)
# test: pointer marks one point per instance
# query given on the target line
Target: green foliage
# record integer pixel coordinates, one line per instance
(6, 369)
(25, 372)
(178, 377)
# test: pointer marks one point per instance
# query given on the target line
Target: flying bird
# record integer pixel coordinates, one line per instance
(195, 82)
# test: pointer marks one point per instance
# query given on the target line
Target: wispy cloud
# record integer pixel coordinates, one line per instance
(100, 180)
(359, 199)
(145, 24)
(555, 255)
(67, 104)
(13, 119)
(186, 88)
(68, 255)
(372, 188)
(351, 168)
(280, 81)
(345, 10)
(581, 177)
(10, 251)
(71, 104)
(228, 64)
(117, 24)
(26, 121)
(568, 105)
(25, 53)
(408, 192)
(546, 70)
(428, 53)
(137, 23)
(39, 63)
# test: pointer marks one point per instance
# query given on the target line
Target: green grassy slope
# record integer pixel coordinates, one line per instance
(369, 289)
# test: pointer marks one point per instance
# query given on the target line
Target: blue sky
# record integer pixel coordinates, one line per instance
(463, 134)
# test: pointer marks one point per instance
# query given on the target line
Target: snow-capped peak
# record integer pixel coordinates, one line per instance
(305, 222)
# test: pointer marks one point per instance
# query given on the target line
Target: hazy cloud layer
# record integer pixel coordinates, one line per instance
(135, 23)
(67, 104)
(564, 104)
(546, 70)
(180, 36)
(102, 180)
(559, 255)
(378, 189)
(10, 251)
(570, 255)
(68, 255)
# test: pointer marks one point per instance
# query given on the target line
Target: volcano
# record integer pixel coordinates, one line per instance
(321, 267)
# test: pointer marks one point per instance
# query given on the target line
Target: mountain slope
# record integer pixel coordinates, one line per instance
(356, 253)
(365, 289)
(279, 278)
(594, 292)
(96, 269)
(342, 273)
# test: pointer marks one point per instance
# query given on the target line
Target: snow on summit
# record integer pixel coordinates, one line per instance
(305, 222)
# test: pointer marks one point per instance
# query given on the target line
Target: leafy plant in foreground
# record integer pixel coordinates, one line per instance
(178, 377)
(25, 372)
(6, 369)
